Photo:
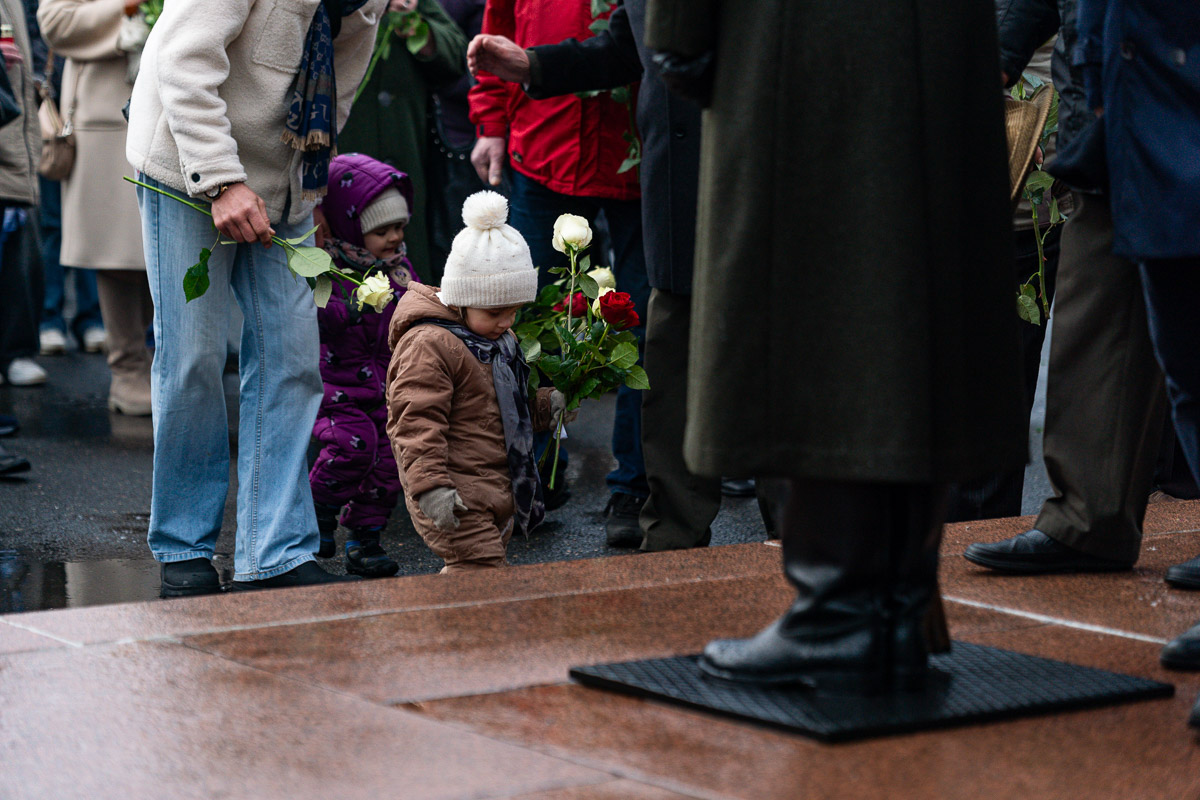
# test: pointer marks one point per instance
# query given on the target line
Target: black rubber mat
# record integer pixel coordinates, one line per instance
(973, 683)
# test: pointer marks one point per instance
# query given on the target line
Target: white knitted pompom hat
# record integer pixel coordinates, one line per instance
(489, 263)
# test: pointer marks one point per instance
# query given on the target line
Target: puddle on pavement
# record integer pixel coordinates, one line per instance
(27, 584)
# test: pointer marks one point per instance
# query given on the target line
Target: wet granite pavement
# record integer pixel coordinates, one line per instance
(432, 686)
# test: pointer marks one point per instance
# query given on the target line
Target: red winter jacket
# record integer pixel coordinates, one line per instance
(569, 145)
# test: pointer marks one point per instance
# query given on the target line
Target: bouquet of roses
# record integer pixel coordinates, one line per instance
(576, 334)
(311, 263)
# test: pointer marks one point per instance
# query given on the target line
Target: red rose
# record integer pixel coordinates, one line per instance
(616, 308)
(578, 305)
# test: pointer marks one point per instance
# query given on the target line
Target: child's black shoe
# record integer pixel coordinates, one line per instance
(366, 557)
(327, 522)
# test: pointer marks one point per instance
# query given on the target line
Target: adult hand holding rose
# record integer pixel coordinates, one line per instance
(241, 215)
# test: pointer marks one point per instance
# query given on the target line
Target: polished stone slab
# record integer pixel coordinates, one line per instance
(1136, 750)
(173, 618)
(162, 720)
(444, 652)
(14, 639)
(971, 684)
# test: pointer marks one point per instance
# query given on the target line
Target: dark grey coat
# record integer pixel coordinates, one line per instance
(853, 309)
(669, 126)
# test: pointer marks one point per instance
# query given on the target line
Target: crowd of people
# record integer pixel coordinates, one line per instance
(737, 231)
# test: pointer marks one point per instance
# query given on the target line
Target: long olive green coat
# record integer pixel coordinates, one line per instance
(388, 121)
(853, 314)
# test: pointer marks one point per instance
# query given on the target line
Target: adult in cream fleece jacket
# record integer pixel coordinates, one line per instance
(211, 100)
(208, 111)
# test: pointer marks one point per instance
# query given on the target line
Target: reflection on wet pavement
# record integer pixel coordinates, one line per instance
(27, 584)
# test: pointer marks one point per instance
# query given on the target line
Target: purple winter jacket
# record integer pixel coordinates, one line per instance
(354, 344)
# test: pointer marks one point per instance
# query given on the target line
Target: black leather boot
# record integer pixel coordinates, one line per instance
(863, 559)
(835, 635)
(916, 619)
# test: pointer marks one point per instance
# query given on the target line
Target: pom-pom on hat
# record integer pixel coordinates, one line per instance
(489, 263)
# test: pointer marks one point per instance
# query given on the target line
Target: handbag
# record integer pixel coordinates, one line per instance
(58, 136)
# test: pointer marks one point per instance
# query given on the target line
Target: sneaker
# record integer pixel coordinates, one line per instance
(25, 372)
(307, 574)
(622, 528)
(52, 342)
(190, 578)
(95, 340)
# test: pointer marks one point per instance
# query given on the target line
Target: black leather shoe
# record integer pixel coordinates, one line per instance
(1035, 553)
(190, 578)
(622, 527)
(840, 655)
(1185, 575)
(738, 487)
(1183, 652)
(307, 574)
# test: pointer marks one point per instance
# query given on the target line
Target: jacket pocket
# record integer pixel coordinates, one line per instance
(280, 43)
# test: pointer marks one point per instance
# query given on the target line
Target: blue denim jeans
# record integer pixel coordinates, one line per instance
(534, 209)
(280, 393)
(87, 299)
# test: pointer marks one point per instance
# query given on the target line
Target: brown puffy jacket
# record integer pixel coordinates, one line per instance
(443, 418)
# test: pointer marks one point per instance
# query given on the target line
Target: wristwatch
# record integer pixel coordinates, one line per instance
(217, 191)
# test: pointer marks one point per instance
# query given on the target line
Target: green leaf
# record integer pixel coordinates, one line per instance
(195, 280)
(586, 390)
(1055, 215)
(1027, 289)
(309, 262)
(587, 284)
(1039, 180)
(551, 365)
(301, 239)
(549, 295)
(322, 290)
(548, 341)
(599, 26)
(621, 94)
(531, 348)
(419, 38)
(585, 263)
(628, 164)
(1027, 309)
(623, 356)
(636, 379)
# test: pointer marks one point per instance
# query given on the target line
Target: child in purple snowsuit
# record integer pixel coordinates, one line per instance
(355, 478)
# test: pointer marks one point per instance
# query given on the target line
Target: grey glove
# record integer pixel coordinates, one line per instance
(558, 408)
(440, 504)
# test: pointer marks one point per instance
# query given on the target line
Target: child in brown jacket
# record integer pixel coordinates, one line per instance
(460, 418)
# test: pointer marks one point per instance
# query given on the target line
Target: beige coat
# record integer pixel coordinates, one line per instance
(20, 139)
(211, 100)
(443, 417)
(101, 228)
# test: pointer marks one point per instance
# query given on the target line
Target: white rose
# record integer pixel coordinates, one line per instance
(571, 231)
(604, 278)
(375, 291)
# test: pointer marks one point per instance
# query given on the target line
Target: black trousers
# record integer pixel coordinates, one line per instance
(20, 291)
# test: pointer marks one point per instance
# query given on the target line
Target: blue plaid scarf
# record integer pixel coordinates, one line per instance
(312, 117)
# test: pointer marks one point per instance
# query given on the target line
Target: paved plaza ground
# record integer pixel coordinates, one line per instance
(431, 686)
